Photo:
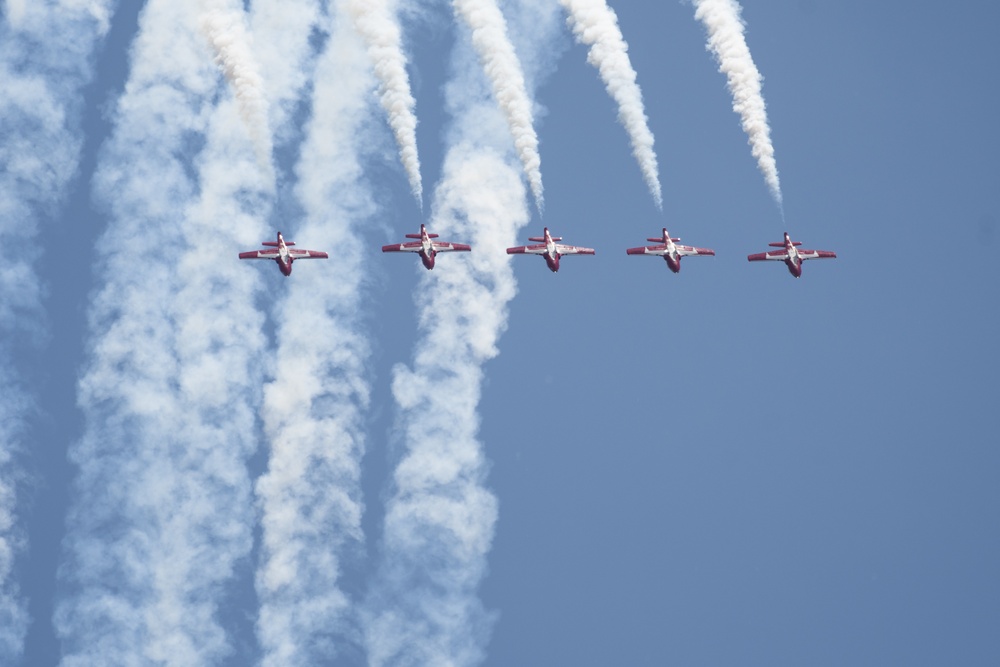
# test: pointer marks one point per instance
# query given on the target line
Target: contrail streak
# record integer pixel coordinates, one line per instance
(496, 54)
(596, 25)
(727, 42)
(376, 21)
(162, 514)
(46, 58)
(314, 409)
(422, 608)
(225, 26)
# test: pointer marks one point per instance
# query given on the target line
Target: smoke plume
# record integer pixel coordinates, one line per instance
(423, 608)
(41, 91)
(496, 54)
(596, 25)
(376, 21)
(726, 41)
(225, 27)
(162, 515)
(314, 408)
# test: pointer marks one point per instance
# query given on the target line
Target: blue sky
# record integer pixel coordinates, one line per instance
(724, 466)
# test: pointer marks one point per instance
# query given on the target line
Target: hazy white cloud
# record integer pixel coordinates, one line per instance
(13, 609)
(14, 10)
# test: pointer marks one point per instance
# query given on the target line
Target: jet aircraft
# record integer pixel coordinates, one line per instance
(549, 249)
(280, 252)
(428, 249)
(669, 250)
(791, 255)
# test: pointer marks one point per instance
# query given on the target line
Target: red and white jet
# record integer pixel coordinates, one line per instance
(790, 255)
(549, 249)
(280, 252)
(669, 250)
(428, 249)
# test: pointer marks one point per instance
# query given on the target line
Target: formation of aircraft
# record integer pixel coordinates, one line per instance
(281, 253)
(669, 250)
(791, 255)
(547, 246)
(427, 248)
(549, 249)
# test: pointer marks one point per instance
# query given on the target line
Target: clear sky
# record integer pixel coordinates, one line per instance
(205, 462)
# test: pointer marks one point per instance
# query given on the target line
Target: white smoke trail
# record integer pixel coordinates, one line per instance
(224, 25)
(726, 41)
(376, 21)
(282, 32)
(46, 54)
(162, 515)
(422, 608)
(496, 54)
(440, 519)
(596, 25)
(310, 497)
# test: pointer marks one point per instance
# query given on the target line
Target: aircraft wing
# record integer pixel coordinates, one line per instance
(816, 254)
(778, 255)
(573, 250)
(260, 254)
(414, 246)
(538, 249)
(295, 253)
(658, 250)
(691, 250)
(442, 246)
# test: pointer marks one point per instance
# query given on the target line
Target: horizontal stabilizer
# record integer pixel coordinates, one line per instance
(541, 239)
(782, 245)
(418, 236)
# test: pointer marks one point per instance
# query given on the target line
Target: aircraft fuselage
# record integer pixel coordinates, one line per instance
(283, 259)
(671, 257)
(551, 254)
(794, 262)
(427, 252)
